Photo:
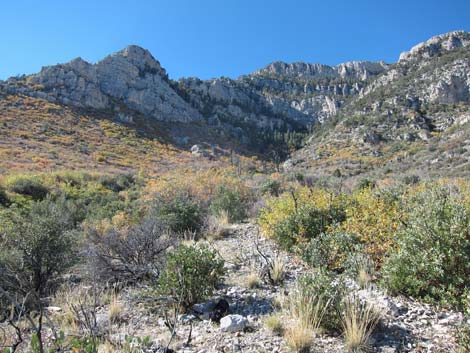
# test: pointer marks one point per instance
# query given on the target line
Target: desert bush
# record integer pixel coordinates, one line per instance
(37, 246)
(463, 332)
(306, 223)
(28, 186)
(190, 275)
(4, 200)
(432, 260)
(230, 201)
(271, 187)
(129, 254)
(182, 213)
(117, 183)
(330, 250)
(301, 214)
(375, 218)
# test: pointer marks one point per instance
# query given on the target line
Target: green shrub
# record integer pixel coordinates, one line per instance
(330, 288)
(433, 256)
(4, 200)
(271, 187)
(330, 250)
(35, 247)
(190, 275)
(117, 183)
(229, 202)
(365, 184)
(182, 213)
(306, 223)
(463, 332)
(28, 186)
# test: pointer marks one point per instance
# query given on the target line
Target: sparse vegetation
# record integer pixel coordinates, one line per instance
(79, 249)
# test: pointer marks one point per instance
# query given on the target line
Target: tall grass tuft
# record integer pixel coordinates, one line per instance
(359, 319)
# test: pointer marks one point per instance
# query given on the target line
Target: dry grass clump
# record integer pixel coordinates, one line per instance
(363, 278)
(216, 228)
(359, 319)
(252, 281)
(278, 271)
(299, 337)
(274, 323)
(307, 309)
(115, 310)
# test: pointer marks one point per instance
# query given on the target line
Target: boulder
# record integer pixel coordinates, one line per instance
(233, 323)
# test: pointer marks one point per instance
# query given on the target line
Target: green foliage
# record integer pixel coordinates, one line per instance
(433, 256)
(306, 223)
(37, 245)
(4, 200)
(330, 288)
(463, 332)
(365, 184)
(117, 183)
(182, 213)
(28, 186)
(271, 187)
(85, 345)
(191, 274)
(330, 250)
(230, 202)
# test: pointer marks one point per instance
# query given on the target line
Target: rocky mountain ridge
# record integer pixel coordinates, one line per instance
(416, 113)
(130, 77)
(368, 106)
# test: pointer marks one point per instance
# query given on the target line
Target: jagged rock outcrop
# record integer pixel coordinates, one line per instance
(315, 90)
(356, 70)
(437, 45)
(372, 103)
(412, 104)
(131, 77)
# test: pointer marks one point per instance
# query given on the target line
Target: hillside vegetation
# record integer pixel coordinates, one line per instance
(298, 208)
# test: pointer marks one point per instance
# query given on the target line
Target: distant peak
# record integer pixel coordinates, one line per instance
(437, 44)
(138, 57)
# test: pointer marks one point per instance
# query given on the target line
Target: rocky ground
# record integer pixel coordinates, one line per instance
(406, 325)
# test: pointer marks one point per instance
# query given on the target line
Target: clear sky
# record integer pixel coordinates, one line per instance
(212, 38)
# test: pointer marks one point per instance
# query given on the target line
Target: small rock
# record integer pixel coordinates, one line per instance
(233, 323)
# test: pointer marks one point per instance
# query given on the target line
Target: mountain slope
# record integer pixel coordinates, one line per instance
(367, 118)
(414, 116)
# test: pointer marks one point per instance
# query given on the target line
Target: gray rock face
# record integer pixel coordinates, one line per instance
(357, 70)
(280, 96)
(131, 76)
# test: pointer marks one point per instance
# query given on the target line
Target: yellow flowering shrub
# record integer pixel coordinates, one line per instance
(375, 220)
(300, 214)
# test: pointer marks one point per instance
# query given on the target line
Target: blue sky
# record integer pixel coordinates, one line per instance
(212, 38)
